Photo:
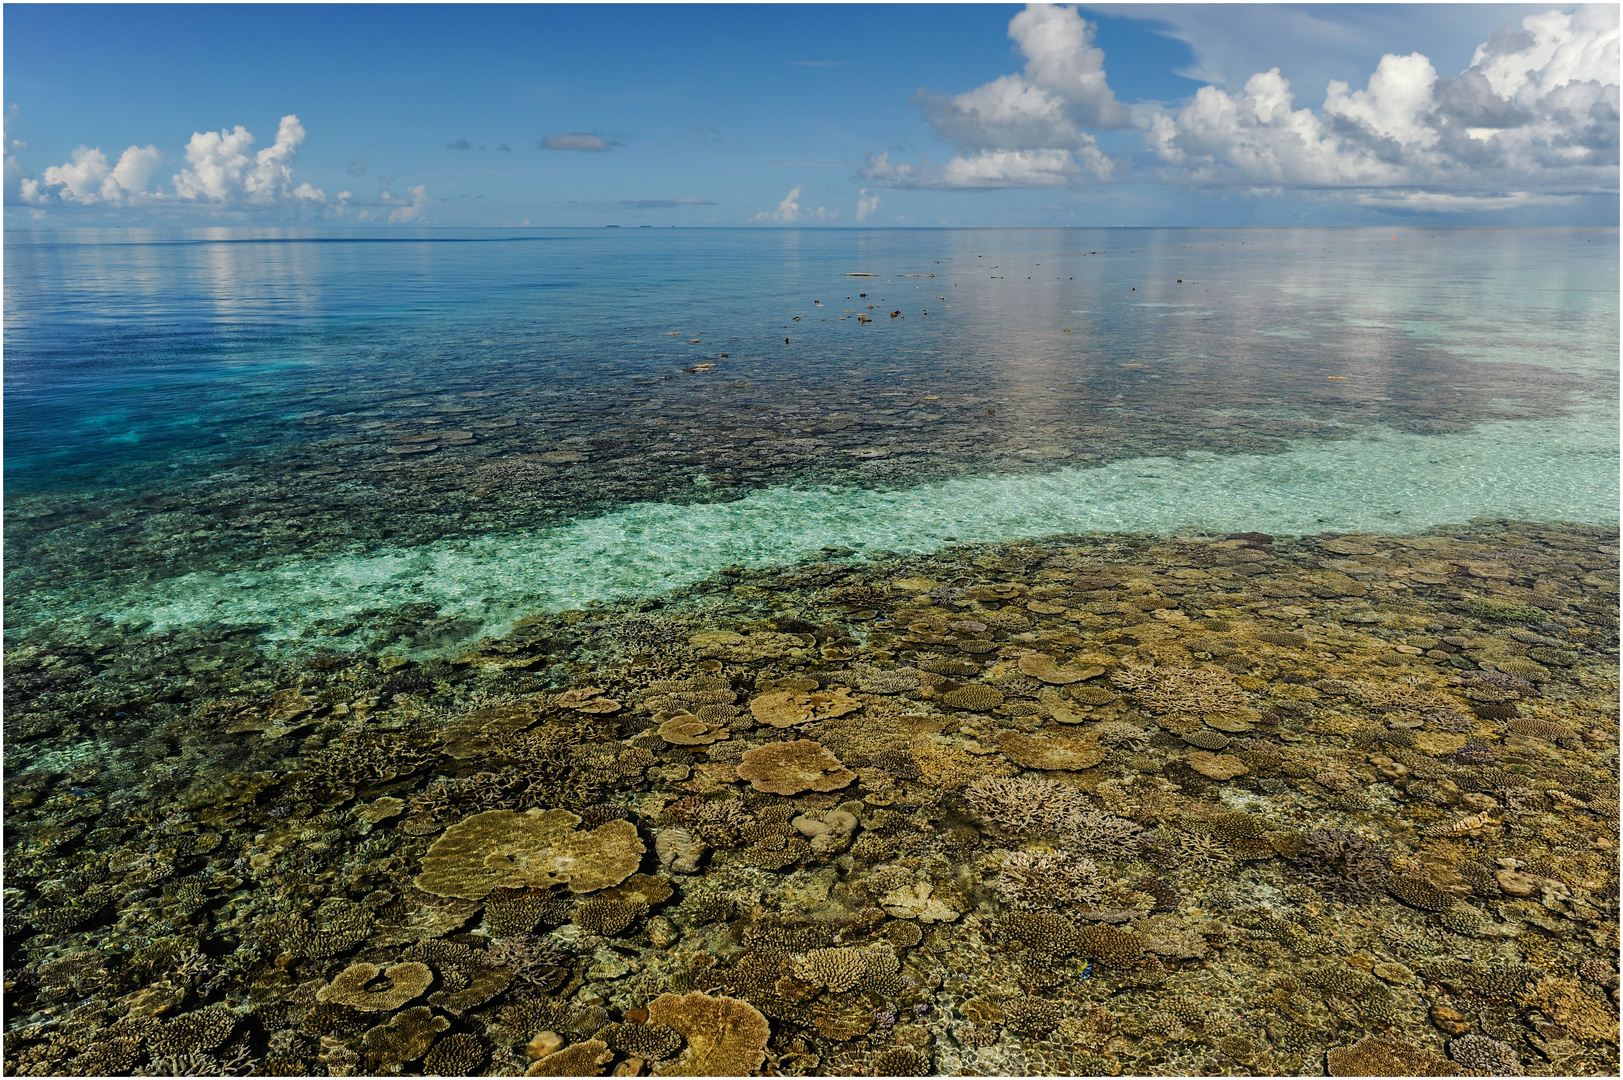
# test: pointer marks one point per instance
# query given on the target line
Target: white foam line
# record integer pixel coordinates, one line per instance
(1383, 482)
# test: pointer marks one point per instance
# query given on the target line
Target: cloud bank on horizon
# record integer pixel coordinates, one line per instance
(219, 174)
(1534, 118)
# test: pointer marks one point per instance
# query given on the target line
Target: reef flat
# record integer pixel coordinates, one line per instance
(1089, 805)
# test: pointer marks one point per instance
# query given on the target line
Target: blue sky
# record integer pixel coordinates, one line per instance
(965, 115)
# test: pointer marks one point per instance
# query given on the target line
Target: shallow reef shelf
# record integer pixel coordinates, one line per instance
(1104, 804)
(1381, 481)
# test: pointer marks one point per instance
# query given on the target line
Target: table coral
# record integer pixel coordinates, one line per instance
(350, 987)
(788, 708)
(789, 768)
(725, 1036)
(1376, 1056)
(535, 848)
(406, 1037)
(1044, 752)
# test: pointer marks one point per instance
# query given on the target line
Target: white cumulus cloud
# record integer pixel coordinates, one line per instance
(87, 178)
(866, 205)
(219, 168)
(991, 169)
(222, 171)
(789, 211)
(1024, 129)
(1534, 118)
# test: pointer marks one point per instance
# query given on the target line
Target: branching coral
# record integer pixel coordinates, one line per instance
(1023, 804)
(976, 697)
(1031, 1015)
(1420, 892)
(1042, 932)
(608, 917)
(461, 1054)
(1187, 692)
(1376, 1056)
(533, 960)
(653, 1042)
(838, 969)
(1048, 880)
(1485, 1056)
(901, 1061)
(1584, 1015)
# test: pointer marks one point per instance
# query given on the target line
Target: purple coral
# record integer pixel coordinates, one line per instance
(1475, 754)
(1350, 867)
(532, 959)
(1500, 679)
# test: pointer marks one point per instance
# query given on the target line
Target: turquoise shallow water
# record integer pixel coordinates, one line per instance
(1381, 482)
(289, 428)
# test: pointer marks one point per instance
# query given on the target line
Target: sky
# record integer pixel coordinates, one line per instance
(811, 116)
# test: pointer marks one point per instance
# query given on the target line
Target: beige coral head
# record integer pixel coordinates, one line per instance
(1047, 669)
(1042, 752)
(787, 708)
(725, 1036)
(976, 697)
(789, 768)
(582, 1059)
(685, 729)
(1216, 766)
(534, 849)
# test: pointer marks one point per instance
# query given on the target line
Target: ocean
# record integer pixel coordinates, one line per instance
(274, 426)
(811, 652)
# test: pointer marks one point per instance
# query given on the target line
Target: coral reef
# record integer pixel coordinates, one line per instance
(400, 983)
(1053, 880)
(1375, 1056)
(1485, 1056)
(765, 831)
